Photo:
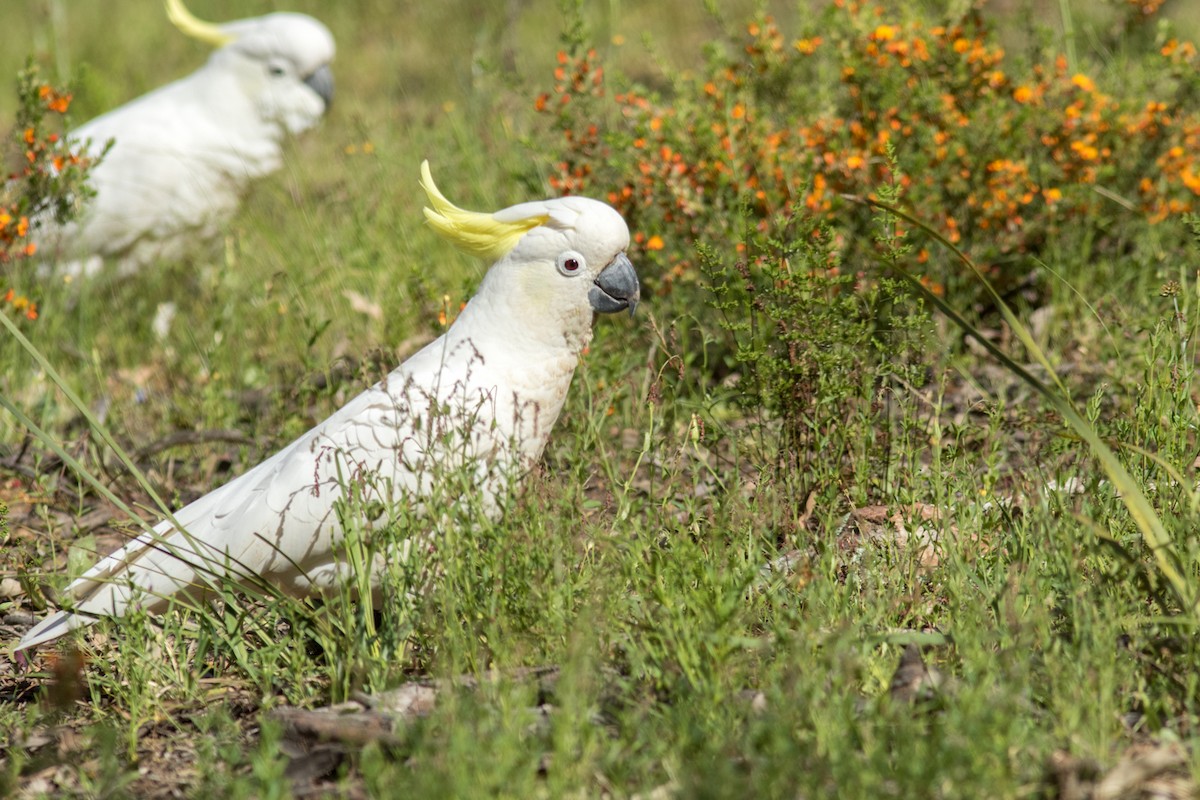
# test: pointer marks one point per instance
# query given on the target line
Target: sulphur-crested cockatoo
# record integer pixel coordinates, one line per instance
(480, 401)
(182, 155)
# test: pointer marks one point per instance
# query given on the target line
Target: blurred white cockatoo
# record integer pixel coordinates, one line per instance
(480, 400)
(182, 155)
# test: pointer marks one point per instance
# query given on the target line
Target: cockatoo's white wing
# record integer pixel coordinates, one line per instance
(181, 156)
(481, 398)
(274, 523)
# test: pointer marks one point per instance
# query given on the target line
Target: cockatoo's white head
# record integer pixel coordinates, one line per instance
(281, 60)
(556, 262)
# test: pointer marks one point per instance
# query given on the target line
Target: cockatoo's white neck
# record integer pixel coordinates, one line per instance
(525, 318)
(526, 353)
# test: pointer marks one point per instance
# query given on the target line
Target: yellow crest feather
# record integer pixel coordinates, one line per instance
(474, 233)
(206, 32)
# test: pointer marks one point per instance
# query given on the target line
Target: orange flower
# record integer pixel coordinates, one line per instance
(884, 33)
(932, 285)
(1083, 82)
(655, 242)
(1190, 179)
(807, 46)
(1085, 151)
(818, 192)
(1022, 94)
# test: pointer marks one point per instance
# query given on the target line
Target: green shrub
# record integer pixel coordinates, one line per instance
(820, 348)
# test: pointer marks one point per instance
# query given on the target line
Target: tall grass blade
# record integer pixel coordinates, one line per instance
(1154, 533)
(213, 577)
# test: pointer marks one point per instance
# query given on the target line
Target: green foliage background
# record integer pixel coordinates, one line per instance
(786, 468)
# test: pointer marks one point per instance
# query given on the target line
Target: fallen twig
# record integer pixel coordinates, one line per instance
(373, 717)
(181, 438)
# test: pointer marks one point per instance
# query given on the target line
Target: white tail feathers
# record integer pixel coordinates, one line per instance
(145, 573)
(51, 628)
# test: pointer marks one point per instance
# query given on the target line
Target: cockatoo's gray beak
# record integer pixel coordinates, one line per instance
(616, 288)
(321, 82)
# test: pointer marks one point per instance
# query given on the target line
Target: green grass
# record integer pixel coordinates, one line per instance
(636, 559)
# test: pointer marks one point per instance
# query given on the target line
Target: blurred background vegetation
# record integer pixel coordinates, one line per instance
(766, 483)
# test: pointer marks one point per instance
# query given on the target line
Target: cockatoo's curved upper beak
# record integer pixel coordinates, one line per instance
(321, 82)
(616, 288)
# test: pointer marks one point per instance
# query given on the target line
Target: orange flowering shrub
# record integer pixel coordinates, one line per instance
(48, 179)
(1000, 155)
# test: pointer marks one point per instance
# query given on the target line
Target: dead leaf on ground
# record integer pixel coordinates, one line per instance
(1157, 770)
(360, 303)
(914, 680)
(917, 527)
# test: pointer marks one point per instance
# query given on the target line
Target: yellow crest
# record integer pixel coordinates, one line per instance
(476, 234)
(198, 29)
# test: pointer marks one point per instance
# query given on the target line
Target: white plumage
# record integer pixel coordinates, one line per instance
(182, 155)
(481, 398)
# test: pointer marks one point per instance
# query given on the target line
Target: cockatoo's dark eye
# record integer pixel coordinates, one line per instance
(275, 70)
(571, 263)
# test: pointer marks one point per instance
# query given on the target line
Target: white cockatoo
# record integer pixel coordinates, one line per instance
(481, 399)
(182, 155)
